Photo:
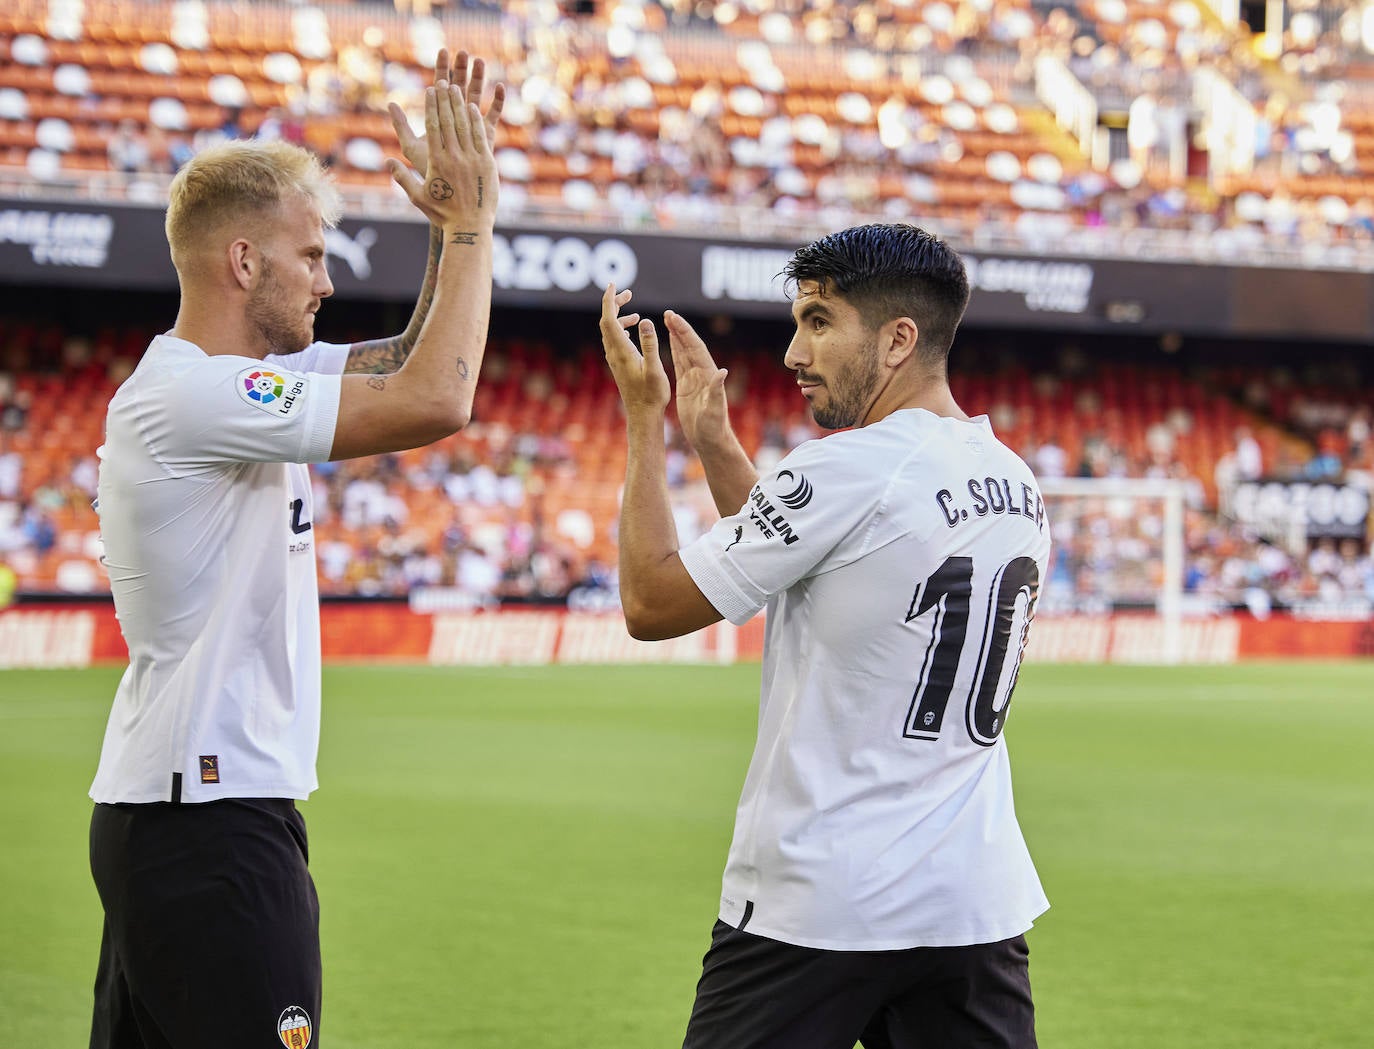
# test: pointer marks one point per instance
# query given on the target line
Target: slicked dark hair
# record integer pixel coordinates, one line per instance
(889, 270)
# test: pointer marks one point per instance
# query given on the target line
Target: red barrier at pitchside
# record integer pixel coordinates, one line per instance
(86, 634)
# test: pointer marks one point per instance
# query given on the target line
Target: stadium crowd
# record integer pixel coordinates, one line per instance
(522, 506)
(767, 114)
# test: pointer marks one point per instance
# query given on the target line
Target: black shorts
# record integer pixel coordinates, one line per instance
(757, 993)
(211, 935)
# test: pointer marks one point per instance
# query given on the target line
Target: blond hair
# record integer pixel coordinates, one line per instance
(243, 181)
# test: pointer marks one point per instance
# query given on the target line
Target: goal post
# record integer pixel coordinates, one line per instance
(1114, 591)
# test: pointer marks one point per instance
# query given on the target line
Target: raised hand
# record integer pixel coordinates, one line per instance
(470, 75)
(640, 377)
(459, 188)
(702, 410)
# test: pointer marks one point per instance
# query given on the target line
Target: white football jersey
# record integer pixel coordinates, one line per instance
(205, 513)
(899, 564)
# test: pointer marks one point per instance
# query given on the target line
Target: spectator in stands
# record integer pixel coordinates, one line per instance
(14, 413)
(281, 124)
(38, 528)
(1143, 132)
(179, 152)
(1050, 459)
(1323, 560)
(361, 68)
(1357, 434)
(324, 90)
(127, 150)
(11, 467)
(1249, 456)
(231, 123)
(1355, 572)
(159, 152)
(477, 572)
(1326, 463)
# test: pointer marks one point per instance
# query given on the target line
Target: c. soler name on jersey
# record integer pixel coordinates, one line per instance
(993, 496)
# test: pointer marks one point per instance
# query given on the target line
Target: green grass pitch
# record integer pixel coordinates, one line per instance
(530, 859)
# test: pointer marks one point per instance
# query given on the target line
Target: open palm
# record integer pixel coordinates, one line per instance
(702, 410)
(472, 77)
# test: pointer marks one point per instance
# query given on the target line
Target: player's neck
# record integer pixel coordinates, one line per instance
(217, 331)
(934, 395)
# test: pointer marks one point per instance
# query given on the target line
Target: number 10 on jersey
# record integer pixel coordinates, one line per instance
(1003, 612)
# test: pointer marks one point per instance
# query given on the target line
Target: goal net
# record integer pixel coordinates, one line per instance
(1114, 591)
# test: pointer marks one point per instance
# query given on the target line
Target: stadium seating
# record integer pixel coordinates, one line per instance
(523, 504)
(919, 109)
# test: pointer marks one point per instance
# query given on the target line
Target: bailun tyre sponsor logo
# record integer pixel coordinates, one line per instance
(754, 274)
(59, 238)
(768, 519)
(798, 496)
(1046, 287)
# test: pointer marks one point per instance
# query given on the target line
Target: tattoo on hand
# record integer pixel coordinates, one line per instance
(463, 238)
(439, 189)
(377, 382)
(463, 370)
(481, 188)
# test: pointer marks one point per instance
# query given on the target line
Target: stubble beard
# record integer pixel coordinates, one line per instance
(280, 327)
(850, 391)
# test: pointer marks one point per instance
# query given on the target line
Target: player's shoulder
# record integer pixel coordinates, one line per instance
(170, 358)
(169, 355)
(889, 440)
(324, 357)
(972, 444)
(909, 440)
(176, 379)
(844, 460)
(158, 374)
(913, 436)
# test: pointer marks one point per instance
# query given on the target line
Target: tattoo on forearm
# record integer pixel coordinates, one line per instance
(377, 382)
(381, 356)
(463, 370)
(385, 356)
(440, 189)
(463, 238)
(481, 190)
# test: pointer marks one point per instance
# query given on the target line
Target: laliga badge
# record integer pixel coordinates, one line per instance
(275, 393)
(293, 1027)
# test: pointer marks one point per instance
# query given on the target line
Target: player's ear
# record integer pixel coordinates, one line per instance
(243, 263)
(900, 337)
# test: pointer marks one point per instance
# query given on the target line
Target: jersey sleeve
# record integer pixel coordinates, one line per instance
(326, 358)
(238, 409)
(811, 514)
